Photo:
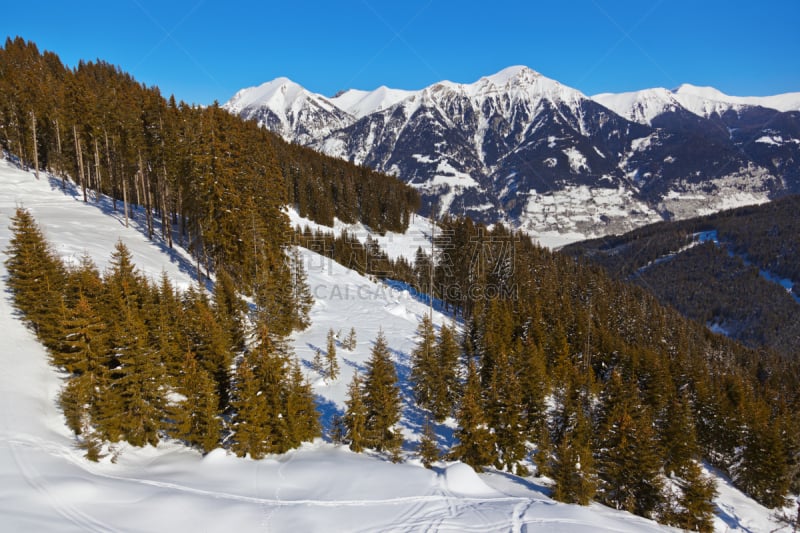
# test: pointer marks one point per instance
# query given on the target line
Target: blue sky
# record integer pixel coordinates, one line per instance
(203, 50)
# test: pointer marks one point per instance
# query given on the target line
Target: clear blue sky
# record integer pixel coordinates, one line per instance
(203, 51)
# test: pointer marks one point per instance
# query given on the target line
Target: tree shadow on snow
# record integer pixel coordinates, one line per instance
(137, 220)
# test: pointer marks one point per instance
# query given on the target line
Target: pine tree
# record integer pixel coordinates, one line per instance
(135, 404)
(355, 416)
(84, 340)
(423, 365)
(330, 356)
(36, 277)
(302, 421)
(628, 460)
(762, 470)
(271, 366)
(695, 506)
(302, 301)
(573, 466)
(476, 443)
(197, 416)
(350, 341)
(249, 425)
(678, 438)
(382, 399)
(446, 386)
(209, 340)
(506, 416)
(229, 310)
(428, 450)
(316, 363)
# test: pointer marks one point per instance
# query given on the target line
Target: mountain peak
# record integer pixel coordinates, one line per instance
(516, 73)
(280, 89)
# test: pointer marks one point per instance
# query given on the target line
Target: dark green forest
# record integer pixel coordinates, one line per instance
(718, 283)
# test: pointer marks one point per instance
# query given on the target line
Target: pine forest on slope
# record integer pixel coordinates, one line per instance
(737, 271)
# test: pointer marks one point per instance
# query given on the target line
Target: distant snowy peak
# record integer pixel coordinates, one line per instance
(518, 82)
(287, 108)
(362, 103)
(643, 106)
(639, 106)
(780, 102)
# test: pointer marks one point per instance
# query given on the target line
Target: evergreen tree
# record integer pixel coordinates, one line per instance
(209, 339)
(428, 450)
(476, 442)
(250, 434)
(134, 405)
(382, 399)
(762, 470)
(355, 416)
(678, 438)
(573, 466)
(302, 421)
(302, 301)
(446, 386)
(271, 367)
(229, 310)
(506, 416)
(694, 509)
(330, 356)
(628, 463)
(316, 363)
(197, 418)
(84, 340)
(423, 365)
(350, 341)
(36, 277)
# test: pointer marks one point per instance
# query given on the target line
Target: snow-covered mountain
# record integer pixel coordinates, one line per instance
(519, 147)
(290, 110)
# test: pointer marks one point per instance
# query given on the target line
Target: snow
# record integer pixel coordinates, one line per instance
(645, 105)
(46, 484)
(780, 102)
(396, 245)
(574, 213)
(577, 161)
(639, 106)
(363, 103)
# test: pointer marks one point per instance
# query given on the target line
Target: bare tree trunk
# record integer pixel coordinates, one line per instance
(98, 178)
(125, 198)
(60, 158)
(112, 187)
(136, 181)
(21, 157)
(79, 155)
(35, 146)
(181, 219)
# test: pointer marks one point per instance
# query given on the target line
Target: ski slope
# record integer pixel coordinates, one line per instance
(47, 485)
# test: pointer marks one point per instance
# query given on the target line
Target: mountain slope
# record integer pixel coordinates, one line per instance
(519, 147)
(47, 485)
(736, 271)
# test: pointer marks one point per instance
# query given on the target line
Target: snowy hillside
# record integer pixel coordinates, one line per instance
(47, 485)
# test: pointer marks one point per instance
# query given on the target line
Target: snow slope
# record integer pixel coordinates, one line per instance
(46, 485)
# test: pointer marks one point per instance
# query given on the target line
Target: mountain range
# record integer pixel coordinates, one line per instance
(520, 148)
